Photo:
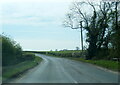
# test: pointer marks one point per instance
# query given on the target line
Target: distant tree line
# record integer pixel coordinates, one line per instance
(102, 26)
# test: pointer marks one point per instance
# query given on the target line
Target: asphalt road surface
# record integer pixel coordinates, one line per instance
(60, 70)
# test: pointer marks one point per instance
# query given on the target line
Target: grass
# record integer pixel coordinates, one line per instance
(15, 70)
(112, 65)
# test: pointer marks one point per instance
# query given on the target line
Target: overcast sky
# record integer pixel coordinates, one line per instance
(37, 25)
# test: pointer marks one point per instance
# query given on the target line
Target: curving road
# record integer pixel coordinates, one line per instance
(60, 70)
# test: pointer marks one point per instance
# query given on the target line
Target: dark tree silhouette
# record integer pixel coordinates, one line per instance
(97, 23)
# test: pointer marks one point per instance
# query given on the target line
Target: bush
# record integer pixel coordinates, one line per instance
(11, 51)
(28, 56)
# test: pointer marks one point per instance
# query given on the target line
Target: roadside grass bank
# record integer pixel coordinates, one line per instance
(14, 60)
(108, 64)
(111, 65)
(15, 70)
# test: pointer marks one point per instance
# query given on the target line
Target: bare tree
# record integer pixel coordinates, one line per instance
(75, 19)
(95, 23)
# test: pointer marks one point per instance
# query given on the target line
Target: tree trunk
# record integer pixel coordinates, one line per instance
(92, 50)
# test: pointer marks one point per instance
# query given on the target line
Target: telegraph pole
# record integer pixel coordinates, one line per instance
(81, 35)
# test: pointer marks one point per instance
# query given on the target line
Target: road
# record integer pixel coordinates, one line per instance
(61, 70)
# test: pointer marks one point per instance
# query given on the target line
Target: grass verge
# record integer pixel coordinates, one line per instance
(112, 65)
(15, 70)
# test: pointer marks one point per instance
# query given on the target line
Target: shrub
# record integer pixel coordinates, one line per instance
(11, 51)
(28, 56)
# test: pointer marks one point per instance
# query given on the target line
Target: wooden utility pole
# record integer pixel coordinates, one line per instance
(81, 35)
(116, 15)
